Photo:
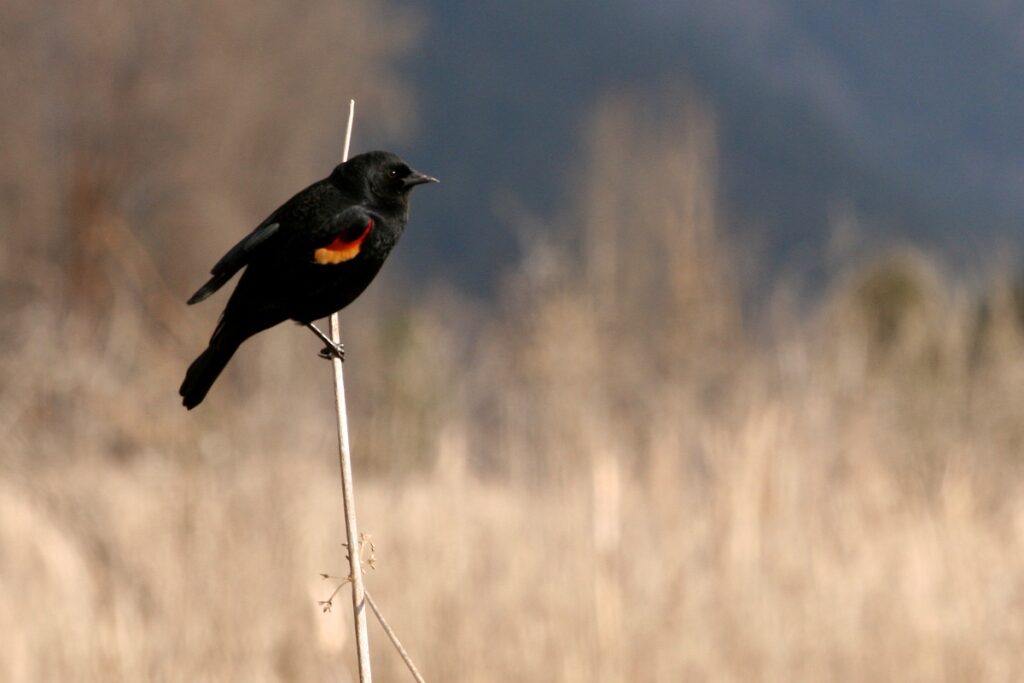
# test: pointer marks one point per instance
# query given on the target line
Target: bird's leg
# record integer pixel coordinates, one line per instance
(331, 350)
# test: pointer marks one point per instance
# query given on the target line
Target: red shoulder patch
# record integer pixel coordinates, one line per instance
(339, 251)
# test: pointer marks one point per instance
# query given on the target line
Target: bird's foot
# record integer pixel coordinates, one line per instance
(331, 348)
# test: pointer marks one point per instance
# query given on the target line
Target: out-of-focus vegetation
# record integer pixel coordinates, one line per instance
(631, 475)
(907, 111)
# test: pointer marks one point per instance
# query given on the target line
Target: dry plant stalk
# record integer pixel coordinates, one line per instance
(347, 492)
(394, 640)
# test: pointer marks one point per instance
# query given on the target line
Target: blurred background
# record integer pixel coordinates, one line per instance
(703, 363)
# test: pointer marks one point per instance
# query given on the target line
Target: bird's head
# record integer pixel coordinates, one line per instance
(380, 176)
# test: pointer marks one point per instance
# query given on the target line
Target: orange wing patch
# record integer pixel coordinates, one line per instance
(339, 250)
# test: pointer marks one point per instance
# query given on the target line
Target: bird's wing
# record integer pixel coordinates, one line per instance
(340, 238)
(237, 257)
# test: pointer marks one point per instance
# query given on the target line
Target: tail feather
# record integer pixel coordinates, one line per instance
(205, 369)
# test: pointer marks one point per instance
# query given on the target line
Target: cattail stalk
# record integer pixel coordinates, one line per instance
(347, 492)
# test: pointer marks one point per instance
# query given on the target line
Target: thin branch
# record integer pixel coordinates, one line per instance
(347, 492)
(394, 640)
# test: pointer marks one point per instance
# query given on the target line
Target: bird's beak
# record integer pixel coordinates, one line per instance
(416, 178)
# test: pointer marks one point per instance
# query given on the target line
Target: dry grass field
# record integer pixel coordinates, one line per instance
(614, 474)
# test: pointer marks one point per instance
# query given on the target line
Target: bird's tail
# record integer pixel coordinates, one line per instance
(205, 369)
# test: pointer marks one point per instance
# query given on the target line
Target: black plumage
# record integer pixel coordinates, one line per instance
(311, 257)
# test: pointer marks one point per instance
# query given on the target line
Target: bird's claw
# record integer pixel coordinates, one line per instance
(333, 350)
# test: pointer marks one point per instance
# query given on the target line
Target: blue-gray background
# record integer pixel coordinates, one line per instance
(908, 114)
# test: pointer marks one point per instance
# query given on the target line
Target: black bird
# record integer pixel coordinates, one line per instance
(311, 257)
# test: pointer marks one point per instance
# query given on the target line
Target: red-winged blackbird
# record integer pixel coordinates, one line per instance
(311, 257)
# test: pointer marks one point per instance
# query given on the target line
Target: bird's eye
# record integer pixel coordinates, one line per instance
(393, 173)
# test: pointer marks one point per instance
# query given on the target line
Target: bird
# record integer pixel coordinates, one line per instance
(308, 259)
